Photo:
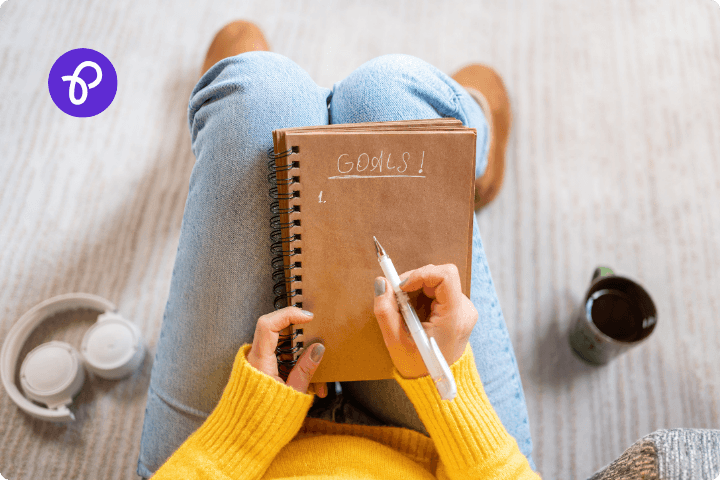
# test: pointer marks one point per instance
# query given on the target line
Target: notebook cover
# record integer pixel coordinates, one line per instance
(412, 189)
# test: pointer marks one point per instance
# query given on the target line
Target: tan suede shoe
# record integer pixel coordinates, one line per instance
(487, 88)
(233, 39)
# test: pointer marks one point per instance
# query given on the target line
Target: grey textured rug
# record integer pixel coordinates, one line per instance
(614, 159)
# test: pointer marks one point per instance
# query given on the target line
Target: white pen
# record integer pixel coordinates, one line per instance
(429, 351)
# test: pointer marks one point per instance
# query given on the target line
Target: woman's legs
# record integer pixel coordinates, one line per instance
(221, 282)
(401, 87)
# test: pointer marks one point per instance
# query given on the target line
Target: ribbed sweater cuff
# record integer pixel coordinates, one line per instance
(255, 418)
(467, 432)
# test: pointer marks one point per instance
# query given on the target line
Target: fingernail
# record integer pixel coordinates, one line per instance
(317, 352)
(309, 314)
(404, 281)
(379, 286)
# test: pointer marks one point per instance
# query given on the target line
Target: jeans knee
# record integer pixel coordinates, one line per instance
(255, 64)
(255, 85)
(268, 68)
(390, 70)
(395, 65)
(393, 87)
(235, 107)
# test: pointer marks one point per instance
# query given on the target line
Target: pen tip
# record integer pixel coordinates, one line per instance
(378, 248)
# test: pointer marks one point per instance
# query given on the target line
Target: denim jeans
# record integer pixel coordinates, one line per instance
(221, 283)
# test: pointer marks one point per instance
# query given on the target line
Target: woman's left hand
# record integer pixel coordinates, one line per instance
(262, 353)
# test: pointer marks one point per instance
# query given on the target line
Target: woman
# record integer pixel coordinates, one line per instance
(209, 417)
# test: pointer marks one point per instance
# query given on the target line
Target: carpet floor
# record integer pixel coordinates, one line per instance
(613, 159)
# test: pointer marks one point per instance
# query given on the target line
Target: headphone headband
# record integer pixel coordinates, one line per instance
(20, 332)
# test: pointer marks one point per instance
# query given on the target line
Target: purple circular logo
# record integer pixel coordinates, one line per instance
(82, 82)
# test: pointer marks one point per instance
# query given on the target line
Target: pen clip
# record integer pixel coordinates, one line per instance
(445, 383)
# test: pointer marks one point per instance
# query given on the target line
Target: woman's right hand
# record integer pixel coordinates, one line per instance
(450, 319)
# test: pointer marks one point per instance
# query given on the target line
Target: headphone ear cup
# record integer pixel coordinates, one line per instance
(113, 347)
(52, 373)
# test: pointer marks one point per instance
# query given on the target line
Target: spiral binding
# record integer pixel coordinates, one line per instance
(281, 249)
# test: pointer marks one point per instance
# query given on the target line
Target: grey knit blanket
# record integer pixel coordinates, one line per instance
(677, 454)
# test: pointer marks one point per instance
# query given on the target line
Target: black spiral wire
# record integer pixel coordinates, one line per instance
(283, 274)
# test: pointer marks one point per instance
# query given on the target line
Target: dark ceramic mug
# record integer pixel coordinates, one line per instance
(616, 315)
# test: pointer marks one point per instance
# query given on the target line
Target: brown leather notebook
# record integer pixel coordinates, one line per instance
(410, 184)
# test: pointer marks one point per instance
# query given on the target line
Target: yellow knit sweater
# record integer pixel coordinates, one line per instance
(259, 430)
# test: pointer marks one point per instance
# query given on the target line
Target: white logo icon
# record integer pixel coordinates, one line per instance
(74, 78)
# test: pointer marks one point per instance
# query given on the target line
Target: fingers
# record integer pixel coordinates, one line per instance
(387, 312)
(301, 374)
(269, 325)
(441, 282)
(319, 389)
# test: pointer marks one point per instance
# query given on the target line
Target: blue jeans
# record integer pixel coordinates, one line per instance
(221, 283)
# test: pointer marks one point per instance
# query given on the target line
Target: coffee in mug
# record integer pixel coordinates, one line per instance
(616, 315)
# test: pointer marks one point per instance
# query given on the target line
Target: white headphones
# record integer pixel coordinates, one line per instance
(53, 372)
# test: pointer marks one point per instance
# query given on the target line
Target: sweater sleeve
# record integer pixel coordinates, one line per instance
(254, 419)
(468, 434)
